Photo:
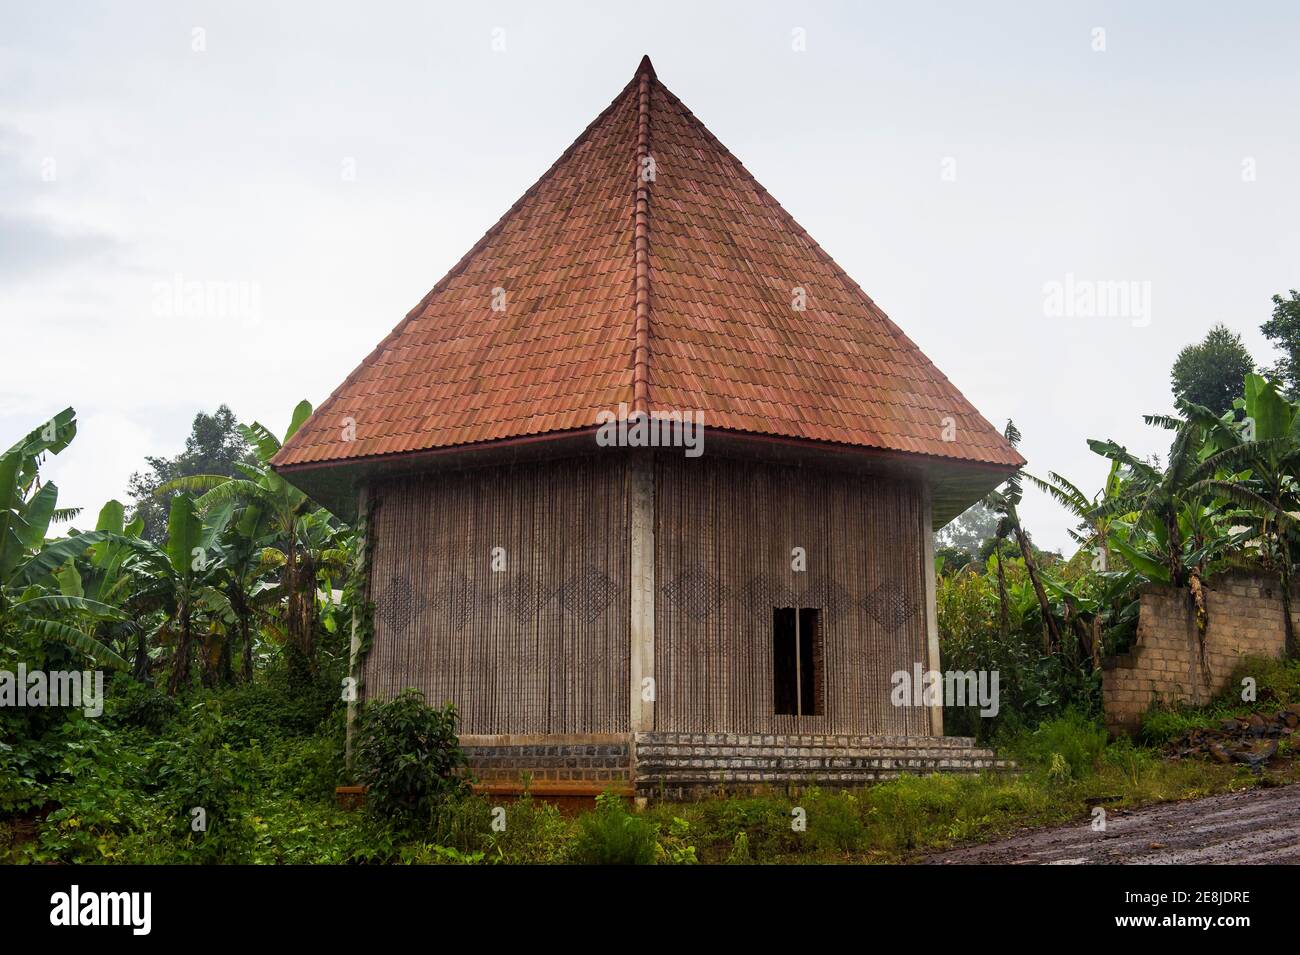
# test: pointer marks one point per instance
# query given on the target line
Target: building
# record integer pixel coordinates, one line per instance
(723, 606)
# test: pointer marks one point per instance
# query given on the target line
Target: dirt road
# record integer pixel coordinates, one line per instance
(1258, 826)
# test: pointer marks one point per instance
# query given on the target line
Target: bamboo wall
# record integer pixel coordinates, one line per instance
(724, 531)
(541, 647)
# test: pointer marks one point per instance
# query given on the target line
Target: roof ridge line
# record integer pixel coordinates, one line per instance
(645, 174)
(459, 266)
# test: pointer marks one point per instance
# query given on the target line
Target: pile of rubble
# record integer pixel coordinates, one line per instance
(1251, 739)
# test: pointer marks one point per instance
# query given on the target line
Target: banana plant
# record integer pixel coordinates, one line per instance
(178, 578)
(289, 513)
(34, 598)
(1171, 524)
(1256, 467)
(105, 575)
(1005, 502)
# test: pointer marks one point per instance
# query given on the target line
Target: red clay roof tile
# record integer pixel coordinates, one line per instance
(544, 322)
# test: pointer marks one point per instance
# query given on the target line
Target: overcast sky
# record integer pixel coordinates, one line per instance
(326, 163)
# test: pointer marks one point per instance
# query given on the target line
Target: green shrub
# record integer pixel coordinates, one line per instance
(409, 757)
(535, 833)
(134, 704)
(613, 836)
(1076, 739)
(835, 821)
(206, 785)
(764, 821)
(1277, 682)
(739, 854)
(675, 848)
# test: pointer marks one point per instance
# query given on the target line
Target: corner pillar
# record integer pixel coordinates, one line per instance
(931, 596)
(354, 645)
(641, 500)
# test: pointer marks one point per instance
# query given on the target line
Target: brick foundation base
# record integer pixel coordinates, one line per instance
(550, 765)
(689, 765)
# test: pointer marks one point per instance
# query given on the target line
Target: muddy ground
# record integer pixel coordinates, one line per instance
(1257, 826)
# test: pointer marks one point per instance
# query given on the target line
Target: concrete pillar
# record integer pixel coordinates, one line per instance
(641, 500)
(354, 647)
(931, 592)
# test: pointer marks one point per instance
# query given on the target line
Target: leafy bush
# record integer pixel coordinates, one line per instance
(1076, 739)
(275, 706)
(409, 757)
(763, 821)
(1033, 685)
(835, 821)
(133, 704)
(206, 785)
(613, 836)
(675, 847)
(535, 834)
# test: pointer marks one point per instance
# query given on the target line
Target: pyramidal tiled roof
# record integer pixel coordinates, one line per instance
(646, 267)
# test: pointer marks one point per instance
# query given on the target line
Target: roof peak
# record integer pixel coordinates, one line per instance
(735, 312)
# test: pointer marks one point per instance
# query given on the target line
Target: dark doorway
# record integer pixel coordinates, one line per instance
(796, 661)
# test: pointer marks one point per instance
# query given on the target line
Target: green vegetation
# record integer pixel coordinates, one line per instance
(123, 789)
(1209, 373)
(220, 609)
(409, 759)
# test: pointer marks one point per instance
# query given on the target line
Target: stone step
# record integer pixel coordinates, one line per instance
(776, 779)
(833, 764)
(678, 753)
(688, 764)
(829, 741)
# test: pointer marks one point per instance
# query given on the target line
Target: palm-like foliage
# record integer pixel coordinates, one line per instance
(262, 500)
(177, 579)
(1225, 483)
(1005, 502)
(1254, 467)
(37, 596)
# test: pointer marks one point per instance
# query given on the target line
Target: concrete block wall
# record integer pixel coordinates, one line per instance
(553, 765)
(1165, 665)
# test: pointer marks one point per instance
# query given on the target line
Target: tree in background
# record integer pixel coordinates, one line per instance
(215, 446)
(1283, 330)
(1210, 373)
(1005, 503)
(970, 529)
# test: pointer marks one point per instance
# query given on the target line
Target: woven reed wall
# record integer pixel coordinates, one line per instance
(541, 647)
(724, 531)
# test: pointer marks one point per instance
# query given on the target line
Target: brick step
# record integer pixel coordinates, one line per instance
(833, 764)
(769, 778)
(683, 753)
(685, 765)
(820, 741)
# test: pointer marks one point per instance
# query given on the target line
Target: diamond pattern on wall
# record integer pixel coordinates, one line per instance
(695, 592)
(587, 594)
(455, 602)
(890, 606)
(398, 604)
(520, 599)
(760, 594)
(829, 596)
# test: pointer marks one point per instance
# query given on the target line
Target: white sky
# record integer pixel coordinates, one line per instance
(224, 166)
